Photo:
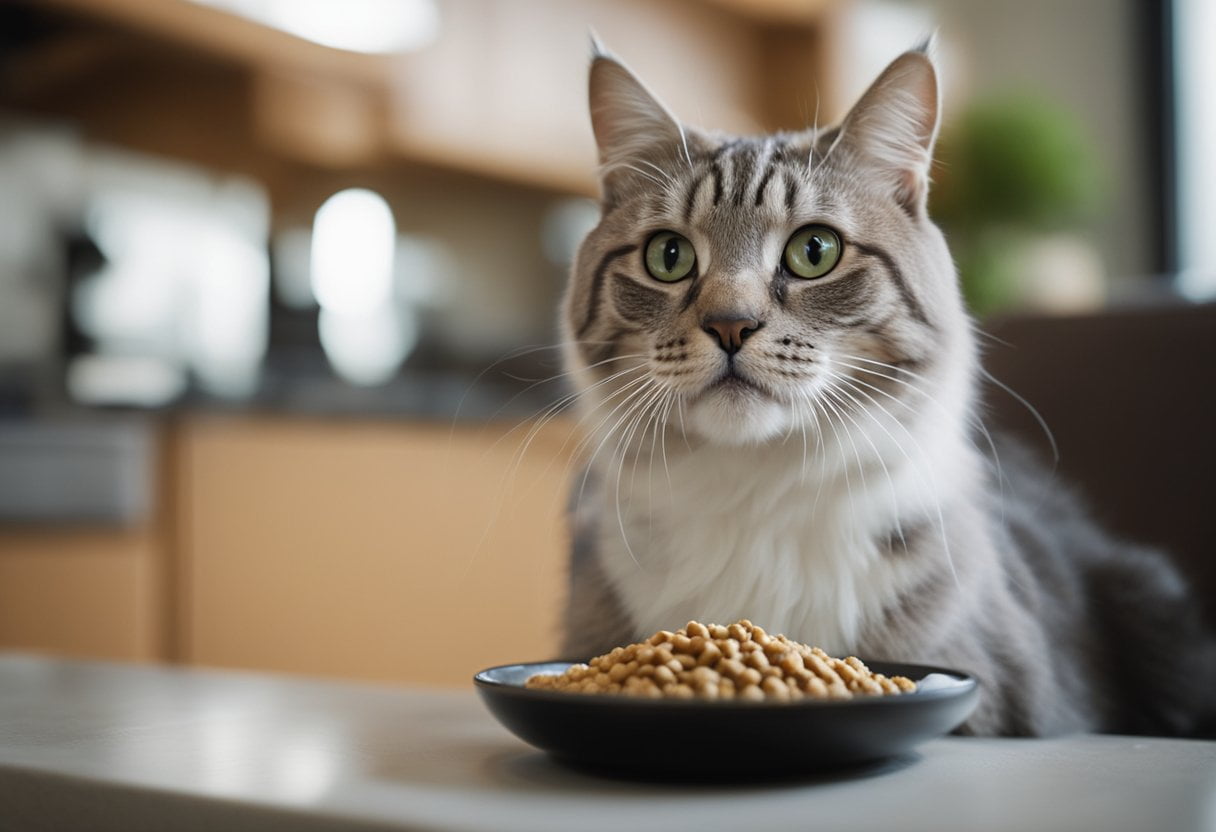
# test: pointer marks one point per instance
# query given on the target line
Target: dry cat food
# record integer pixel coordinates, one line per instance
(710, 661)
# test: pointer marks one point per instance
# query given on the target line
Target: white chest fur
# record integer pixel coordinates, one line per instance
(729, 533)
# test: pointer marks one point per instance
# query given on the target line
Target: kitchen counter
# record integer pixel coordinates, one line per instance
(128, 747)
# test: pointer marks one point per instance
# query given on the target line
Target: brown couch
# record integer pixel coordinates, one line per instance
(1131, 398)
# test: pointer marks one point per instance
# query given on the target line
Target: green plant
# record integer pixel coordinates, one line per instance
(1012, 166)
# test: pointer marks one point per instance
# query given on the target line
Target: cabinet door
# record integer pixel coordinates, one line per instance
(86, 593)
(402, 552)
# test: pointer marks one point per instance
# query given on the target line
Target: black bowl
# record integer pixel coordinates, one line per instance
(721, 739)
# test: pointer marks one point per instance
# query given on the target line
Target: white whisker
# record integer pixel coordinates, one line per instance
(975, 420)
(933, 483)
(835, 390)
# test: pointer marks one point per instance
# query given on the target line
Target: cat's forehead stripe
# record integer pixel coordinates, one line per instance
(716, 172)
(791, 191)
(768, 174)
(739, 167)
(742, 172)
(690, 200)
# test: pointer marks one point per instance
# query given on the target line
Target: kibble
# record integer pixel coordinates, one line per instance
(739, 661)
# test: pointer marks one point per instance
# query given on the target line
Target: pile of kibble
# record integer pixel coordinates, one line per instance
(710, 661)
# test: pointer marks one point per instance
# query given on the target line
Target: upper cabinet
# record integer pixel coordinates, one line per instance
(495, 88)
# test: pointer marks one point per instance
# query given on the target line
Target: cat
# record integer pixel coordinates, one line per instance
(779, 374)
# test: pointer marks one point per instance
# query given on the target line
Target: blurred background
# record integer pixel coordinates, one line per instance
(278, 287)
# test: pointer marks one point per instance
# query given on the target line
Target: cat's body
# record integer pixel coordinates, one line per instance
(803, 451)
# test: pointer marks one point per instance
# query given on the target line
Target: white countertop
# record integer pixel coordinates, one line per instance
(88, 745)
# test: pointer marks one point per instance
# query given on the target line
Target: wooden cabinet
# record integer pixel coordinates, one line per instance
(373, 551)
(501, 93)
(392, 551)
(95, 592)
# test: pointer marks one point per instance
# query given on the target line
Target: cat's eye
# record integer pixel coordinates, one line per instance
(670, 257)
(812, 252)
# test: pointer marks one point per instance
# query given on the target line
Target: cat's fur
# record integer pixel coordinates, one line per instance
(841, 498)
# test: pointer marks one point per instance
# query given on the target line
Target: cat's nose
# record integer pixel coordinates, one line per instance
(731, 332)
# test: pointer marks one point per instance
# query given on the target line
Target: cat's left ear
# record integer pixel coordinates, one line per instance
(633, 129)
(893, 127)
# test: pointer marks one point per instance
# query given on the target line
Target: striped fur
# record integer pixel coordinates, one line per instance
(832, 489)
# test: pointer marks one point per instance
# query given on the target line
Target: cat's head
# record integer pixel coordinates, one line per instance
(758, 282)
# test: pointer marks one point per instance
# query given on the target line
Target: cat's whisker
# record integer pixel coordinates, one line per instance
(851, 505)
(635, 387)
(539, 426)
(509, 356)
(533, 382)
(683, 430)
(518, 456)
(823, 475)
(979, 330)
(555, 377)
(975, 420)
(630, 384)
(560, 404)
(671, 398)
(517, 353)
(630, 420)
(1038, 417)
(540, 418)
(621, 389)
(802, 429)
(660, 426)
(815, 420)
(642, 419)
(516, 460)
(933, 482)
(656, 421)
(645, 387)
(623, 446)
(588, 437)
(841, 394)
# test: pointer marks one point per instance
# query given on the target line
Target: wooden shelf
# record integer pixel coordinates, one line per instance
(500, 94)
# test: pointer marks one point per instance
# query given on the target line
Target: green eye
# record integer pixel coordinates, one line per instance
(812, 251)
(670, 257)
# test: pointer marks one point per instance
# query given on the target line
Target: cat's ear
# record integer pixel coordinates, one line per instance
(891, 130)
(633, 129)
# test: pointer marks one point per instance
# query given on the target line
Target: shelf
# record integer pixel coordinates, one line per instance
(500, 94)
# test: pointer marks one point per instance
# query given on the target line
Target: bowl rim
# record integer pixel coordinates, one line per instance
(966, 685)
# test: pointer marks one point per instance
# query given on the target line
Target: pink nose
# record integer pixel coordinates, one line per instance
(731, 332)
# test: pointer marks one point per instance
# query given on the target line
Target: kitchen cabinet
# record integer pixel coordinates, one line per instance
(91, 592)
(290, 106)
(381, 551)
(395, 551)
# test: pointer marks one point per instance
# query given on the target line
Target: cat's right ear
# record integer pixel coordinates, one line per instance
(633, 130)
(893, 127)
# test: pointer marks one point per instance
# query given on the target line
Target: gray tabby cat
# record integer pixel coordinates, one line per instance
(780, 379)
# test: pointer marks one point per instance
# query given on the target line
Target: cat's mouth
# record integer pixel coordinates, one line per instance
(734, 409)
(732, 382)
